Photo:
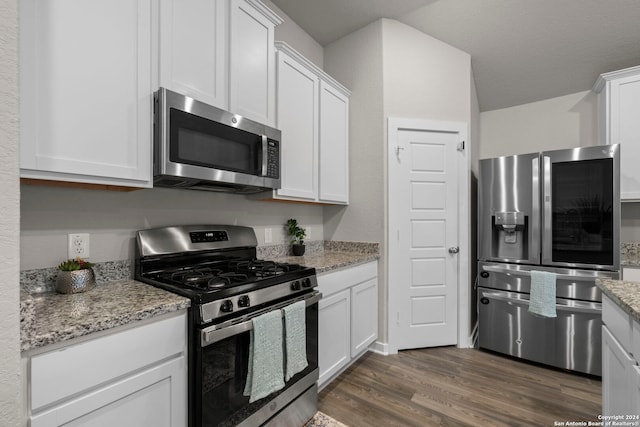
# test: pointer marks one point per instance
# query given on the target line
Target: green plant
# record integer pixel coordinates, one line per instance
(296, 232)
(75, 264)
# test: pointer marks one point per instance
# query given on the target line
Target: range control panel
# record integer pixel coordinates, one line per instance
(208, 236)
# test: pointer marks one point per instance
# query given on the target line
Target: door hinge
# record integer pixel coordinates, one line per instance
(461, 146)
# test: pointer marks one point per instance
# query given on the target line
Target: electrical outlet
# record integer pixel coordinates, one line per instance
(78, 245)
(268, 236)
(307, 232)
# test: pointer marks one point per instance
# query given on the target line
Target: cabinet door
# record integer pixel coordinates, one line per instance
(298, 121)
(86, 91)
(334, 145)
(625, 130)
(252, 62)
(193, 49)
(364, 315)
(617, 377)
(154, 397)
(333, 334)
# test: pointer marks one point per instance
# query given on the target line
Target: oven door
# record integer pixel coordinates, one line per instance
(221, 374)
(581, 207)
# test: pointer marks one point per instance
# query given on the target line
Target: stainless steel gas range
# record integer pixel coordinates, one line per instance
(216, 267)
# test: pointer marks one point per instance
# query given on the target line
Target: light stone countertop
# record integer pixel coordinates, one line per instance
(49, 318)
(624, 293)
(325, 261)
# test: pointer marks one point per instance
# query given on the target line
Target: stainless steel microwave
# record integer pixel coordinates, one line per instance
(201, 147)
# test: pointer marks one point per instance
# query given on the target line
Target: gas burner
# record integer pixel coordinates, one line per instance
(226, 279)
(261, 268)
(194, 275)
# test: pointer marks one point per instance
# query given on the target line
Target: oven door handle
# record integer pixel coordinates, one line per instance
(217, 333)
(577, 307)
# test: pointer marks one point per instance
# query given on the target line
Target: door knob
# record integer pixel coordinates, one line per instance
(454, 250)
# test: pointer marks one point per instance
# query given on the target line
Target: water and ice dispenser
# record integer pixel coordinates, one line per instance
(509, 235)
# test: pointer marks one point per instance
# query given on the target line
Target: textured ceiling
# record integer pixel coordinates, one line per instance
(521, 50)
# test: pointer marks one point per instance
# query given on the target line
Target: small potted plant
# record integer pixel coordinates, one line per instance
(75, 276)
(297, 234)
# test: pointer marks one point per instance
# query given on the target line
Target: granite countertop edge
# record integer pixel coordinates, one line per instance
(50, 318)
(328, 261)
(625, 294)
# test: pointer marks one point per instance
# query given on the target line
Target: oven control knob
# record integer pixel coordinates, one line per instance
(227, 306)
(243, 301)
(295, 286)
(306, 282)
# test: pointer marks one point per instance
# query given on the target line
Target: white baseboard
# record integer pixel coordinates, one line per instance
(380, 348)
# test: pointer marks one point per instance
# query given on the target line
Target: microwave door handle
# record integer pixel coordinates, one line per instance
(265, 155)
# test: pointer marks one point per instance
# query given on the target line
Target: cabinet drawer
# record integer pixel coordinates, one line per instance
(336, 281)
(73, 369)
(618, 322)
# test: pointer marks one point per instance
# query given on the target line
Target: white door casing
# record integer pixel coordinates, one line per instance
(428, 216)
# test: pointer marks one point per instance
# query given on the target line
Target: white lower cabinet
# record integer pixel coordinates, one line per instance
(348, 317)
(133, 377)
(620, 370)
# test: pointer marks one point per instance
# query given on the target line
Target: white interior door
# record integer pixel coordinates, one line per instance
(424, 241)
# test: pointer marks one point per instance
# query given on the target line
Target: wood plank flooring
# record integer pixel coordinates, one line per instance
(447, 386)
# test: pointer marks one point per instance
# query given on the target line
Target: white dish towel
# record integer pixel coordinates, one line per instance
(542, 300)
(265, 370)
(295, 338)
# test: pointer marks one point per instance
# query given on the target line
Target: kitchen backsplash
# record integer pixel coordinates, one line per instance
(630, 253)
(43, 279)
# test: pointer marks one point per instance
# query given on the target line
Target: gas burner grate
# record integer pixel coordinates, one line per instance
(262, 268)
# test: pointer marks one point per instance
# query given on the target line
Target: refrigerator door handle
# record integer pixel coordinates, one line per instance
(547, 226)
(573, 306)
(527, 273)
(534, 241)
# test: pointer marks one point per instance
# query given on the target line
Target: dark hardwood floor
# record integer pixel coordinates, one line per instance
(447, 386)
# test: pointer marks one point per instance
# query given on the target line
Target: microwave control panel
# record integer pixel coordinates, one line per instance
(273, 159)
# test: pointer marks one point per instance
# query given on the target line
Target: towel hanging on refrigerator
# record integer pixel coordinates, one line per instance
(542, 300)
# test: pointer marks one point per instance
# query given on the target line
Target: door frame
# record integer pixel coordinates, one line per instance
(394, 125)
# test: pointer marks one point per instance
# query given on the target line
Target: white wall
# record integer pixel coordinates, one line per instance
(296, 37)
(424, 77)
(564, 122)
(393, 70)
(111, 219)
(11, 397)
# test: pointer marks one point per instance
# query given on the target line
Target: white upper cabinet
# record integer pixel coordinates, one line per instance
(619, 110)
(334, 145)
(313, 115)
(220, 52)
(252, 60)
(298, 92)
(86, 91)
(193, 49)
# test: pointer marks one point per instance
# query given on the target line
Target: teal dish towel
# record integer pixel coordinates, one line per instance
(295, 338)
(265, 370)
(543, 294)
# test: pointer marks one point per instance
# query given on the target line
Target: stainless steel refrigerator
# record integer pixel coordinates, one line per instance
(555, 211)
